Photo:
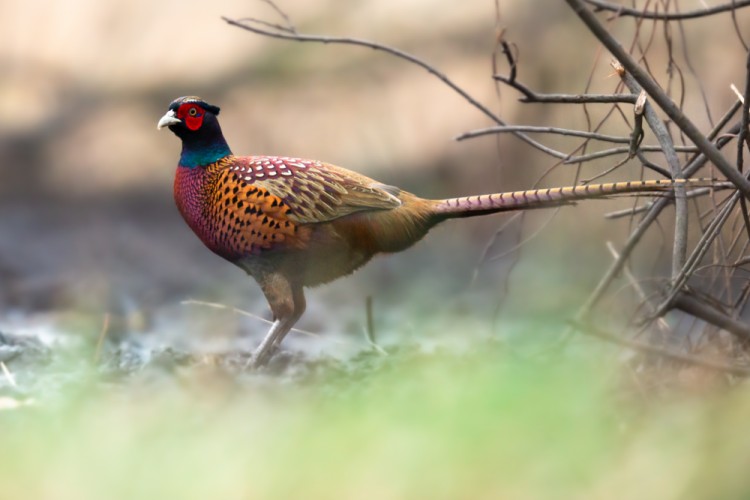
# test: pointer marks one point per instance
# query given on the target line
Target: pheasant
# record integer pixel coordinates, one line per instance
(292, 223)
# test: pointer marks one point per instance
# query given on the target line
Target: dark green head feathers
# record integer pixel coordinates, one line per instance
(194, 121)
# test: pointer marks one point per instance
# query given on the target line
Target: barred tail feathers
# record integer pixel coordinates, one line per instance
(539, 198)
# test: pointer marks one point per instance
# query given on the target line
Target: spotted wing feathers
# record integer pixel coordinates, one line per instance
(247, 218)
(315, 192)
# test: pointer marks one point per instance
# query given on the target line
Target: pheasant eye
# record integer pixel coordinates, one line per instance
(193, 112)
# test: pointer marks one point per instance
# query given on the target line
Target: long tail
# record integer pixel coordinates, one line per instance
(468, 206)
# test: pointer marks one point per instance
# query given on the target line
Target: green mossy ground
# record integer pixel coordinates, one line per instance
(483, 423)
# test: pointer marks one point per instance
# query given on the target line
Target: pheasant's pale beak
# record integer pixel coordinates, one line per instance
(167, 120)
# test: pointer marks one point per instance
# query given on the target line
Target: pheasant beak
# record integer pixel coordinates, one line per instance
(167, 120)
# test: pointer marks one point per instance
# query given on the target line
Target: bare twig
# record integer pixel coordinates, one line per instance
(370, 328)
(623, 11)
(102, 335)
(737, 93)
(693, 193)
(659, 351)
(711, 233)
(275, 26)
(617, 151)
(691, 68)
(651, 165)
(216, 305)
(663, 325)
(679, 248)
(607, 172)
(710, 314)
(282, 14)
(618, 264)
(530, 96)
(491, 243)
(636, 137)
(542, 130)
(8, 375)
(743, 137)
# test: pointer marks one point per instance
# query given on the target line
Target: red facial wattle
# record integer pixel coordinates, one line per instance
(191, 115)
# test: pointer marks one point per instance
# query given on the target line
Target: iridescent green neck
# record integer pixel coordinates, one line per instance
(200, 155)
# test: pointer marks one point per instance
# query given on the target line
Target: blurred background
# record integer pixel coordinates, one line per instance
(92, 246)
(88, 226)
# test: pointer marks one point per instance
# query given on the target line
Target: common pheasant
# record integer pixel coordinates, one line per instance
(292, 223)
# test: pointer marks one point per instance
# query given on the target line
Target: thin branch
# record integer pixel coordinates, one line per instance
(267, 24)
(523, 242)
(241, 312)
(637, 135)
(622, 11)
(509, 56)
(743, 137)
(701, 309)
(616, 151)
(542, 130)
(608, 171)
(491, 243)
(659, 351)
(618, 264)
(711, 233)
(102, 335)
(370, 327)
(688, 60)
(531, 96)
(737, 28)
(282, 14)
(651, 165)
(679, 248)
(8, 375)
(693, 193)
(663, 325)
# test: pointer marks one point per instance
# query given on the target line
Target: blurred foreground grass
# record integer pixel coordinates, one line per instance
(481, 424)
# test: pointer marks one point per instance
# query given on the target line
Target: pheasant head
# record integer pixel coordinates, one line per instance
(194, 121)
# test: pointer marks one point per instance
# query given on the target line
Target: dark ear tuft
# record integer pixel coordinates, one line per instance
(197, 100)
(211, 108)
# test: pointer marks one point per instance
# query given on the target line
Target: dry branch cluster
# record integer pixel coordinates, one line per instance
(707, 282)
